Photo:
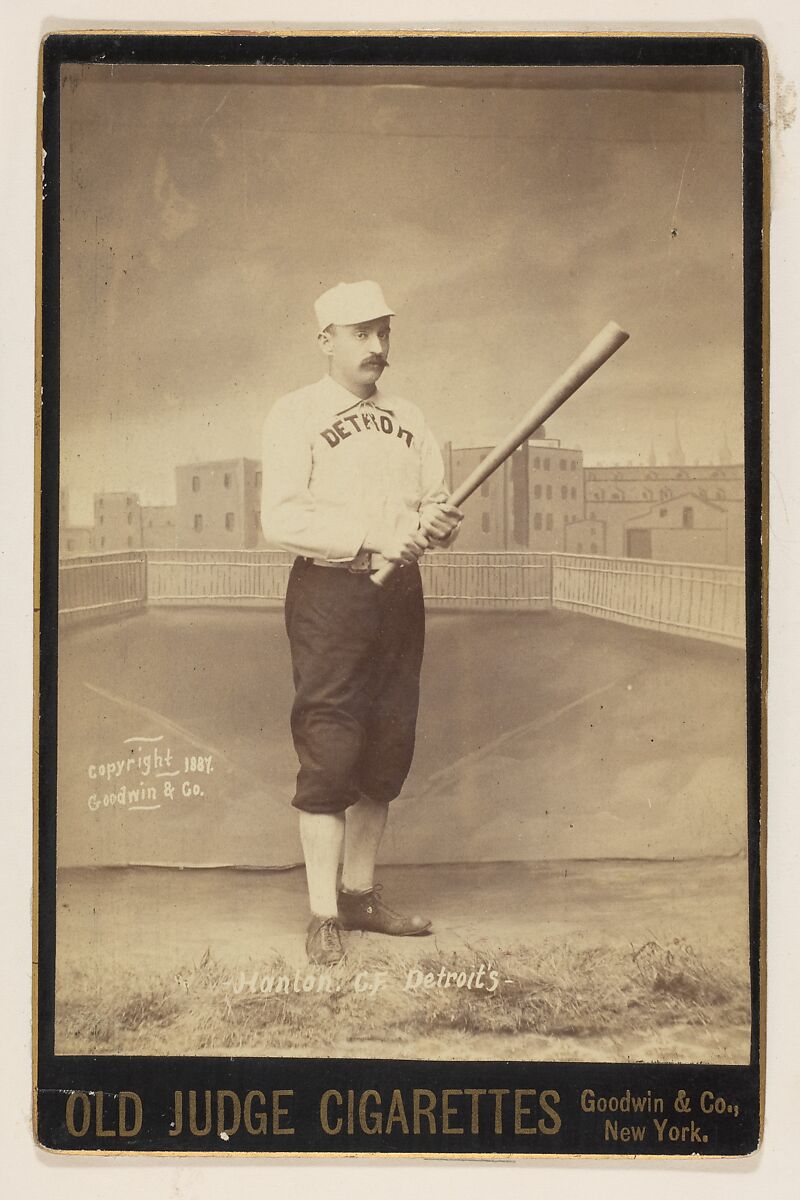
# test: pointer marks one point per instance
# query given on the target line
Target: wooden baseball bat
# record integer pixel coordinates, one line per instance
(599, 350)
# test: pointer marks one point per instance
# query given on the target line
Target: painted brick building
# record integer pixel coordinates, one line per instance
(628, 500)
(682, 529)
(72, 539)
(158, 526)
(218, 505)
(528, 503)
(543, 498)
(117, 521)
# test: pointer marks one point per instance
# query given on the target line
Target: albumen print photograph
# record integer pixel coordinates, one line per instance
(365, 751)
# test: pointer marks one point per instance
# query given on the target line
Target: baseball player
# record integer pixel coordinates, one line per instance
(352, 479)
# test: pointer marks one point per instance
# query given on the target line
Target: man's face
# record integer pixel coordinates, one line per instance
(358, 353)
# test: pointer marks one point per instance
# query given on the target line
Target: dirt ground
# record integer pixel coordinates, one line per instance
(662, 945)
(541, 736)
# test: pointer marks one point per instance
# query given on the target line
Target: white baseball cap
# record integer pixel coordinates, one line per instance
(350, 304)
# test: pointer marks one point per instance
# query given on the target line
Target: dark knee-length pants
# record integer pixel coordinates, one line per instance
(356, 658)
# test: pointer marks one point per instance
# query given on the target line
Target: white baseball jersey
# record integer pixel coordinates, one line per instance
(334, 466)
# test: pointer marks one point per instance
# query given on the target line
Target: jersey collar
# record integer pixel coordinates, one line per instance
(338, 394)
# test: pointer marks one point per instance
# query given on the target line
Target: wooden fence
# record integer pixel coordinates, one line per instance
(688, 599)
(228, 577)
(461, 579)
(254, 577)
(695, 601)
(96, 585)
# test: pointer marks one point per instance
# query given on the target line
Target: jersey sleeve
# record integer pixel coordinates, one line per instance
(433, 481)
(290, 520)
(433, 485)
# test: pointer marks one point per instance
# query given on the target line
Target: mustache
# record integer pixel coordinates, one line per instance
(375, 360)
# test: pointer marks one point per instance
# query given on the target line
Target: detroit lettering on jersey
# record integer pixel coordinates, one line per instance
(365, 422)
(335, 465)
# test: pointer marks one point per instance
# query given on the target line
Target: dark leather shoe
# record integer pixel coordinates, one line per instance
(323, 941)
(367, 911)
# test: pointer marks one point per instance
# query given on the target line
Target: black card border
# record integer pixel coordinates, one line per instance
(54, 1076)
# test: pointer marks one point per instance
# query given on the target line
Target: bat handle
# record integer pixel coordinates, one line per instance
(383, 574)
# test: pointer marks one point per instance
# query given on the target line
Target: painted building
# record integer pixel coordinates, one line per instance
(685, 528)
(496, 516)
(721, 484)
(117, 521)
(620, 496)
(556, 493)
(585, 537)
(158, 526)
(75, 539)
(528, 503)
(72, 539)
(218, 505)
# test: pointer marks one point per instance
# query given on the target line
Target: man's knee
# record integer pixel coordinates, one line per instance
(368, 801)
(320, 796)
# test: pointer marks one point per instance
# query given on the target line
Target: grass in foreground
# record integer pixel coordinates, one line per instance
(271, 1007)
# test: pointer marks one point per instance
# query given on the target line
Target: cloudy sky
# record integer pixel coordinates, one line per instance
(507, 218)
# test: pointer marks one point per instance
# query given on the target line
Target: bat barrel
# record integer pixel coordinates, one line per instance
(599, 350)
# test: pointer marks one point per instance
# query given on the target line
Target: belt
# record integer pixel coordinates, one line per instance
(360, 565)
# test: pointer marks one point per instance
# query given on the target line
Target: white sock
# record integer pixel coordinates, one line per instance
(322, 835)
(365, 824)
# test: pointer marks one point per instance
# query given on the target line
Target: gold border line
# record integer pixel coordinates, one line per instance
(766, 183)
(366, 31)
(37, 594)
